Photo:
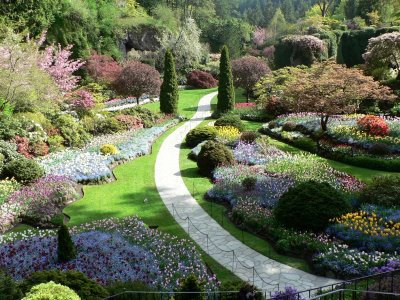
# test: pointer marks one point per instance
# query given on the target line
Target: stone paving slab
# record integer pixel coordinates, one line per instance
(221, 244)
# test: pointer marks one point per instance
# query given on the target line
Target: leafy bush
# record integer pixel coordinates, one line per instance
(106, 126)
(190, 284)
(72, 131)
(388, 284)
(9, 151)
(51, 291)
(201, 80)
(148, 117)
(85, 287)
(212, 155)
(233, 121)
(56, 143)
(40, 149)
(383, 190)
(108, 149)
(120, 287)
(9, 290)
(290, 293)
(200, 134)
(289, 126)
(65, 248)
(10, 127)
(23, 170)
(373, 125)
(249, 183)
(310, 205)
(241, 290)
(249, 136)
(129, 122)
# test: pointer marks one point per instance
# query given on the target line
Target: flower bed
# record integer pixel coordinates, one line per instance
(111, 250)
(38, 202)
(88, 165)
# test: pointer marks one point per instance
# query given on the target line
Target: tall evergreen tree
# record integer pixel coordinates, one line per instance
(66, 248)
(226, 91)
(169, 88)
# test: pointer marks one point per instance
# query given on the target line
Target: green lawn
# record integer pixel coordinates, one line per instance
(135, 183)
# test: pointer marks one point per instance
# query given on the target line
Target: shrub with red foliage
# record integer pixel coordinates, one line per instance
(103, 69)
(201, 80)
(22, 146)
(129, 122)
(373, 125)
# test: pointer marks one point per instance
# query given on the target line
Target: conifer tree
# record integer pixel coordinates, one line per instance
(169, 88)
(66, 249)
(226, 91)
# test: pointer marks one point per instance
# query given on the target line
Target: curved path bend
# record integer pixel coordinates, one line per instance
(269, 274)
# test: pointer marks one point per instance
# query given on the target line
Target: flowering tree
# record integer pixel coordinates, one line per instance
(137, 79)
(82, 101)
(56, 62)
(326, 89)
(103, 68)
(247, 71)
(384, 51)
(259, 36)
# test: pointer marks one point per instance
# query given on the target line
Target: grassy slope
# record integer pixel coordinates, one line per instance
(135, 182)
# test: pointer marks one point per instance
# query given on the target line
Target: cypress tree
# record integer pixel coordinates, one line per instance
(169, 88)
(226, 91)
(66, 248)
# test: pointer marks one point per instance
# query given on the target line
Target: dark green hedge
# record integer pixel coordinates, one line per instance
(353, 44)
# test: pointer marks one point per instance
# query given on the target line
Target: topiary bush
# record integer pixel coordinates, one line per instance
(201, 80)
(233, 121)
(249, 136)
(51, 291)
(85, 287)
(383, 190)
(310, 205)
(65, 246)
(23, 170)
(212, 155)
(200, 134)
(108, 149)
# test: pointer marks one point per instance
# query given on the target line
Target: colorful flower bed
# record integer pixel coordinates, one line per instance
(88, 165)
(111, 250)
(40, 201)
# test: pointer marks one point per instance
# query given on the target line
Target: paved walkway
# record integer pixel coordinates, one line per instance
(267, 274)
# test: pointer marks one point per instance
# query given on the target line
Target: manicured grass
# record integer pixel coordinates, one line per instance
(135, 193)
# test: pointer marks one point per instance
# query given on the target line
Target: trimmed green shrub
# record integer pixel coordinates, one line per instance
(120, 287)
(148, 117)
(10, 127)
(200, 134)
(233, 121)
(169, 88)
(108, 149)
(85, 287)
(9, 151)
(249, 136)
(23, 170)
(190, 284)
(212, 155)
(9, 290)
(56, 143)
(107, 126)
(51, 291)
(65, 246)
(72, 131)
(249, 183)
(383, 190)
(310, 205)
(226, 91)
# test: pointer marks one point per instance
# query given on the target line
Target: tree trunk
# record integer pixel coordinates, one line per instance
(137, 100)
(247, 95)
(324, 122)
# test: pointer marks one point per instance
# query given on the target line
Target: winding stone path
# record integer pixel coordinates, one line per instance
(267, 274)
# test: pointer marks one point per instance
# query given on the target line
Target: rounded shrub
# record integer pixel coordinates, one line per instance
(379, 149)
(289, 126)
(51, 291)
(23, 170)
(9, 288)
(200, 134)
(373, 125)
(249, 183)
(201, 80)
(108, 125)
(212, 155)
(108, 149)
(383, 190)
(230, 120)
(249, 136)
(85, 287)
(66, 250)
(73, 132)
(310, 205)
